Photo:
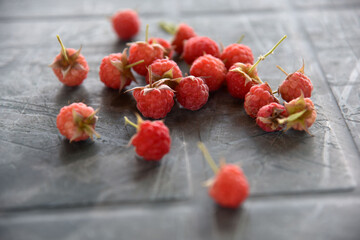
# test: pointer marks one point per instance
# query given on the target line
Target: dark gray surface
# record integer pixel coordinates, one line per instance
(302, 187)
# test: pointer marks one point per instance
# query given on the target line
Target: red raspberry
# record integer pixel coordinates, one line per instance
(268, 116)
(197, 46)
(164, 68)
(144, 51)
(181, 33)
(257, 97)
(239, 79)
(192, 93)
(237, 53)
(294, 84)
(115, 71)
(126, 23)
(211, 69)
(169, 52)
(230, 187)
(152, 140)
(302, 114)
(77, 122)
(70, 66)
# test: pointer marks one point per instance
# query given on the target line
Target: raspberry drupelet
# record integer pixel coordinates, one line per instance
(70, 67)
(152, 140)
(77, 122)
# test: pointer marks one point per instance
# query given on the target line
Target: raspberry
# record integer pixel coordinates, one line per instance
(294, 84)
(181, 33)
(192, 93)
(257, 97)
(169, 52)
(302, 114)
(70, 66)
(211, 69)
(237, 53)
(164, 68)
(239, 79)
(115, 71)
(152, 140)
(230, 187)
(77, 122)
(242, 77)
(144, 51)
(197, 46)
(126, 23)
(268, 116)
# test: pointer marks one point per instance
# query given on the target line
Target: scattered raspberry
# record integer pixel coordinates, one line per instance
(197, 46)
(115, 71)
(70, 66)
(257, 97)
(126, 23)
(164, 68)
(237, 53)
(144, 51)
(192, 93)
(268, 116)
(169, 52)
(77, 122)
(230, 187)
(294, 84)
(302, 114)
(239, 79)
(152, 140)
(211, 69)
(181, 33)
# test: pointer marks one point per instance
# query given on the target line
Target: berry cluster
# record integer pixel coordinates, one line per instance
(210, 68)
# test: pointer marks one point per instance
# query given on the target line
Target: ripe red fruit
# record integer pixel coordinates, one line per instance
(230, 187)
(144, 51)
(126, 23)
(70, 66)
(242, 77)
(169, 52)
(197, 46)
(77, 122)
(164, 68)
(115, 70)
(294, 84)
(152, 140)
(239, 79)
(268, 116)
(181, 33)
(237, 52)
(211, 69)
(192, 93)
(257, 97)
(302, 114)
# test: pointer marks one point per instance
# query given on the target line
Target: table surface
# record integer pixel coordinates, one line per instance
(302, 186)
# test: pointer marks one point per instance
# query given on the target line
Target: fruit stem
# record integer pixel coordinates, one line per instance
(134, 64)
(281, 69)
(261, 58)
(168, 27)
(147, 33)
(150, 76)
(127, 121)
(208, 157)
(63, 49)
(240, 39)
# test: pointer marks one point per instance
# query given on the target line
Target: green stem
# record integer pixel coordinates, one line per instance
(63, 49)
(261, 58)
(240, 39)
(147, 33)
(168, 27)
(134, 64)
(127, 121)
(281, 69)
(208, 157)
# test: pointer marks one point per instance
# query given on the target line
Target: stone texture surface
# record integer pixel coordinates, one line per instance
(301, 185)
